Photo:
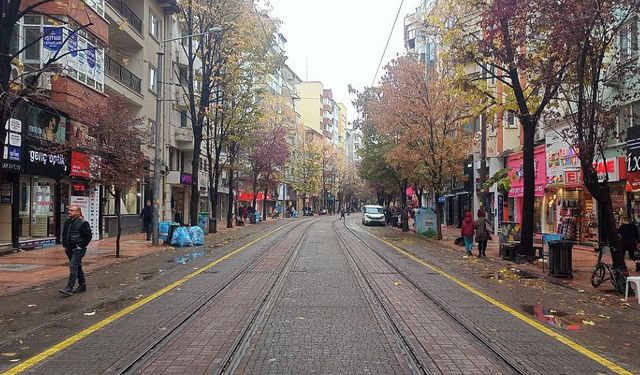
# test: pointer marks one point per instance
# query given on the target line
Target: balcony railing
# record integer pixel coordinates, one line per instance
(127, 13)
(123, 75)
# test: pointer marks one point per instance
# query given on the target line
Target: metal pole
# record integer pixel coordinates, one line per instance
(158, 150)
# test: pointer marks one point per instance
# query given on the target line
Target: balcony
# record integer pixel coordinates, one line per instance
(127, 14)
(183, 138)
(122, 75)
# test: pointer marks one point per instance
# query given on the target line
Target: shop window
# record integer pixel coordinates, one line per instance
(128, 203)
(36, 205)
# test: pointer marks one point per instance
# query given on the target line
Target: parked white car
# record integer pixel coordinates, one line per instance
(372, 215)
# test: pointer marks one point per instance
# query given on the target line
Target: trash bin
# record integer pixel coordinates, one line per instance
(508, 251)
(172, 228)
(560, 259)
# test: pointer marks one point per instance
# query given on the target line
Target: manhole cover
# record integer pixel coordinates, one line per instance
(18, 267)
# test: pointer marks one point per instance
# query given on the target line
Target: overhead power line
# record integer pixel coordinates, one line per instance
(387, 44)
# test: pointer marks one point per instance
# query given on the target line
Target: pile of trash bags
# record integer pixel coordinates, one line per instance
(180, 236)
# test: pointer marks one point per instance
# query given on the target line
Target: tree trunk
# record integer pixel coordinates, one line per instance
(403, 197)
(606, 220)
(231, 197)
(264, 204)
(118, 194)
(195, 175)
(438, 208)
(526, 239)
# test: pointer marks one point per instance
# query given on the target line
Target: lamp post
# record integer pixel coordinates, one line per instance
(158, 149)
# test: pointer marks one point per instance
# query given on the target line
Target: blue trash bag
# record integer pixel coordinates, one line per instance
(181, 237)
(197, 236)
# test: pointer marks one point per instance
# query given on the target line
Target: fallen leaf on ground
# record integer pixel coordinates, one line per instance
(92, 313)
(588, 323)
(14, 360)
(580, 290)
(32, 305)
(9, 354)
(581, 312)
(397, 283)
(604, 316)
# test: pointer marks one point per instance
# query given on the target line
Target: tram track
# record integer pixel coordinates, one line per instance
(413, 359)
(475, 333)
(134, 365)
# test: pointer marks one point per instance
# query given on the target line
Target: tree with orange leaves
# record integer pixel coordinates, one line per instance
(422, 112)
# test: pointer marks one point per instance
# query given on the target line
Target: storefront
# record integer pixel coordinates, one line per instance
(516, 193)
(80, 191)
(180, 183)
(39, 194)
(10, 169)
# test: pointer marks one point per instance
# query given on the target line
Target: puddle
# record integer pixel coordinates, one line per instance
(552, 317)
(184, 259)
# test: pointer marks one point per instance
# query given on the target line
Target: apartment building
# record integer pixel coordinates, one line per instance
(38, 178)
(137, 30)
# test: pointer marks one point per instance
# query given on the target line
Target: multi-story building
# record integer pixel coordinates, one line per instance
(37, 178)
(138, 30)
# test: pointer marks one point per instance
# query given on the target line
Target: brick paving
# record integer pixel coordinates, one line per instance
(320, 320)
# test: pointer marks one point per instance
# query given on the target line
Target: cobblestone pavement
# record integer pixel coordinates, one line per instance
(306, 299)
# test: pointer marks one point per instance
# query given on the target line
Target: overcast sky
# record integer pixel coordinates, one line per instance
(339, 42)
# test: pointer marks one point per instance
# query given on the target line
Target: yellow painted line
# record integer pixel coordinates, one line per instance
(572, 344)
(127, 310)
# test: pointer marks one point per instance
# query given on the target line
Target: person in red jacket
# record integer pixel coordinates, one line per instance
(467, 231)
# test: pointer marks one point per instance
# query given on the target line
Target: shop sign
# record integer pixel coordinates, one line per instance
(560, 157)
(42, 162)
(80, 165)
(14, 125)
(12, 158)
(15, 139)
(518, 191)
(52, 38)
(186, 178)
(572, 178)
(610, 168)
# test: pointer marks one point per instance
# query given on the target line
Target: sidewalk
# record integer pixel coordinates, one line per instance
(583, 261)
(26, 269)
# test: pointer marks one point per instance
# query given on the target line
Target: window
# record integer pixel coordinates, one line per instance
(628, 40)
(80, 55)
(171, 158)
(154, 26)
(153, 78)
(510, 120)
(183, 118)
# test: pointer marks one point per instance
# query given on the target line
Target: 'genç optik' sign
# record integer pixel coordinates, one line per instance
(49, 163)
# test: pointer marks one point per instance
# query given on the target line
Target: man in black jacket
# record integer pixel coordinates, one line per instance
(76, 235)
(147, 219)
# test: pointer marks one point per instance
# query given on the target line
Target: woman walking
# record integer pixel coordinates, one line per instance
(481, 233)
(467, 232)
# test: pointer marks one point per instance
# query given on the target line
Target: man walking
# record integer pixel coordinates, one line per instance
(76, 235)
(147, 219)
(342, 212)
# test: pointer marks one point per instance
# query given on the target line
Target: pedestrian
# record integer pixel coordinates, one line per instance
(76, 235)
(147, 219)
(342, 212)
(629, 239)
(387, 215)
(482, 235)
(467, 232)
(245, 213)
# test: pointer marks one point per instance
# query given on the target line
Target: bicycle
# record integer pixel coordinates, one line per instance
(603, 272)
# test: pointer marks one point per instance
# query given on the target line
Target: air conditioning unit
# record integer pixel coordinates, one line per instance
(15, 79)
(44, 81)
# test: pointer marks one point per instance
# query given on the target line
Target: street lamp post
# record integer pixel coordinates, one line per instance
(158, 149)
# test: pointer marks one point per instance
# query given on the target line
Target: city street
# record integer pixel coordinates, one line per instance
(317, 295)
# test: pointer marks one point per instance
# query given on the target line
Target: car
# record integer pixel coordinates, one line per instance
(372, 214)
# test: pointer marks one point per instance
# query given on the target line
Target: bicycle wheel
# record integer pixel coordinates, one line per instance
(619, 281)
(598, 275)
